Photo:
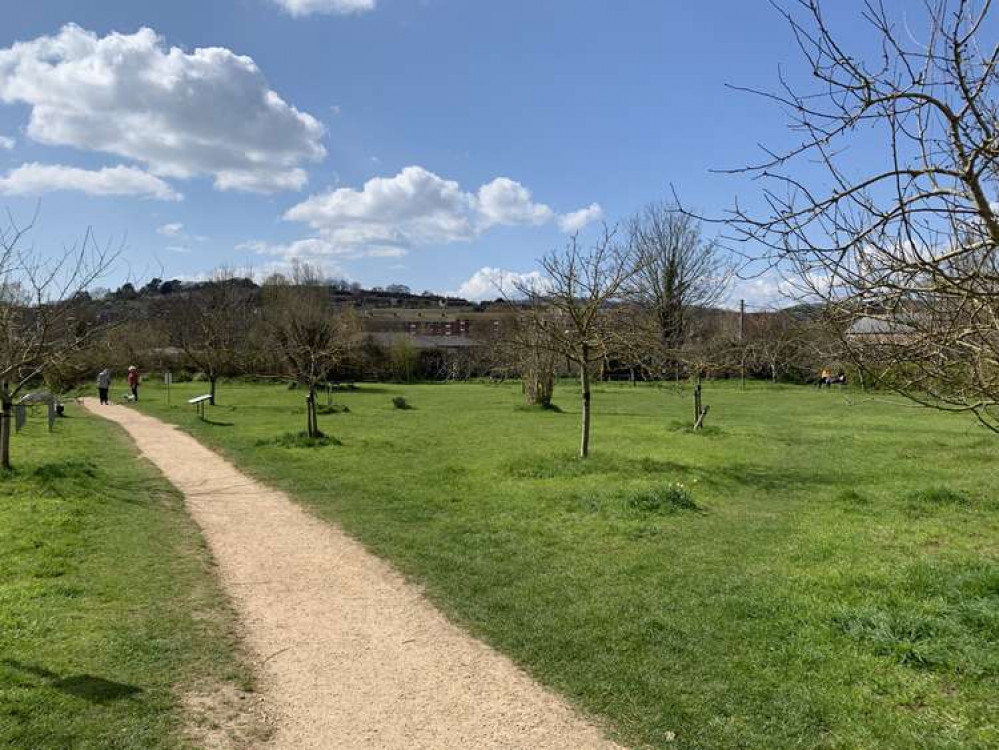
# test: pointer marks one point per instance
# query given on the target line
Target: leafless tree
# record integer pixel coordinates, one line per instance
(907, 235)
(572, 308)
(213, 326)
(524, 349)
(677, 270)
(43, 318)
(775, 341)
(307, 335)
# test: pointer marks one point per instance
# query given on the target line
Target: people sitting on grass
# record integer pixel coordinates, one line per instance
(828, 380)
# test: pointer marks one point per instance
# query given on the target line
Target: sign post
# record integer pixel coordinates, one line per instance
(168, 381)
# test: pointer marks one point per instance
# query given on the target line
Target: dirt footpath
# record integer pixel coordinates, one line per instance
(348, 654)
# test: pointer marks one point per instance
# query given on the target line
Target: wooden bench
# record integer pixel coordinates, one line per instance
(199, 403)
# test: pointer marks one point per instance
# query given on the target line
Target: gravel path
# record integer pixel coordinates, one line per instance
(349, 655)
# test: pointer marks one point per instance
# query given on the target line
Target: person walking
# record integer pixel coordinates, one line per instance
(104, 385)
(133, 381)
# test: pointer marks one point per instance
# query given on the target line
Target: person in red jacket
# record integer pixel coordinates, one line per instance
(133, 381)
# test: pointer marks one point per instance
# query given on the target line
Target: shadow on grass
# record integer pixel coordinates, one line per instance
(359, 390)
(563, 465)
(299, 440)
(772, 479)
(77, 469)
(88, 687)
(540, 408)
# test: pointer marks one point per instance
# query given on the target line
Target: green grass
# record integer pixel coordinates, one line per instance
(109, 612)
(836, 584)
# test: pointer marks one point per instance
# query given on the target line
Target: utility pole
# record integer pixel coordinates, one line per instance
(742, 345)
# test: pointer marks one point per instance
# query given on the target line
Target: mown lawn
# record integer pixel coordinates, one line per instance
(109, 611)
(838, 585)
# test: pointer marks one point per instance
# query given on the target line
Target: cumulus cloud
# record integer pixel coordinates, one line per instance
(417, 207)
(504, 201)
(35, 179)
(298, 8)
(6, 143)
(183, 114)
(577, 220)
(490, 283)
(413, 208)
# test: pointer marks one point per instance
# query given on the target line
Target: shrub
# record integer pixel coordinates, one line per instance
(400, 402)
(333, 409)
(663, 499)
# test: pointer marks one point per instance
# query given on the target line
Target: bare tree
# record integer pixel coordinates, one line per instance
(525, 349)
(774, 341)
(572, 309)
(212, 327)
(677, 270)
(906, 236)
(43, 318)
(308, 336)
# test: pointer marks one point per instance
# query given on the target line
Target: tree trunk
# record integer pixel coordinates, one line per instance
(211, 390)
(312, 418)
(6, 426)
(584, 379)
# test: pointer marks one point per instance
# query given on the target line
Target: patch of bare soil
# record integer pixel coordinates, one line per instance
(223, 717)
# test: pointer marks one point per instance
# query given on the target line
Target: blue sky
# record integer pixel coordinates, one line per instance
(488, 128)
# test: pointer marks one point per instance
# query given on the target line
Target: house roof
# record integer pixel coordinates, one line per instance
(868, 326)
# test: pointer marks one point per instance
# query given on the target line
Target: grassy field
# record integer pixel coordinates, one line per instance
(109, 613)
(837, 584)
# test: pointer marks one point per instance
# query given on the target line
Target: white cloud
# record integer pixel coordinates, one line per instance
(578, 220)
(176, 231)
(314, 248)
(416, 207)
(205, 113)
(299, 8)
(35, 179)
(326, 268)
(504, 201)
(171, 230)
(774, 289)
(179, 249)
(6, 143)
(490, 283)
